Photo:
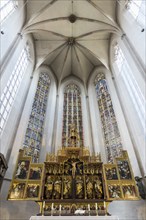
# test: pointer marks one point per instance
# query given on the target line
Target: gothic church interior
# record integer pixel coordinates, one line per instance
(73, 73)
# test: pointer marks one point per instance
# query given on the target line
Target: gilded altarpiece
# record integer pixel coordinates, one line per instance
(73, 182)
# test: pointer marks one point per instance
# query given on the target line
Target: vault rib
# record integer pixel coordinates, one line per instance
(102, 12)
(46, 57)
(40, 11)
(98, 31)
(42, 30)
(89, 51)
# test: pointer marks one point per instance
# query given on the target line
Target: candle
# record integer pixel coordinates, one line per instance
(96, 205)
(43, 204)
(104, 205)
(96, 208)
(60, 208)
(52, 208)
(89, 207)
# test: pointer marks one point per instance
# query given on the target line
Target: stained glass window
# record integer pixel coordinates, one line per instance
(34, 132)
(72, 114)
(110, 128)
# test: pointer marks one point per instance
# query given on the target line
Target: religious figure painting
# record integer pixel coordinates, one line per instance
(17, 191)
(114, 191)
(35, 172)
(111, 172)
(124, 169)
(129, 191)
(32, 190)
(22, 169)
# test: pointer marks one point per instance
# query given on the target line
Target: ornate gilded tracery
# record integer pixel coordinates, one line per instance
(110, 128)
(72, 115)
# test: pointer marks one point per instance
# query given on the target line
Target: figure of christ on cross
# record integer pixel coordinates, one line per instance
(73, 168)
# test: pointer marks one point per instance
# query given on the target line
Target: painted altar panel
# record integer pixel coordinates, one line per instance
(27, 179)
(73, 183)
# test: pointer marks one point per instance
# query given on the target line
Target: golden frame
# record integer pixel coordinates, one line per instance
(18, 186)
(33, 190)
(35, 171)
(108, 167)
(117, 190)
(134, 194)
(17, 190)
(121, 182)
(22, 165)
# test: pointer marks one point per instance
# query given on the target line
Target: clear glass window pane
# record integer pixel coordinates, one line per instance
(10, 100)
(131, 85)
(6, 8)
(137, 10)
(13, 84)
(5, 102)
(2, 109)
(5, 114)
(2, 121)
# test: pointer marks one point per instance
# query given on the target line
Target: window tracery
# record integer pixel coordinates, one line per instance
(34, 132)
(130, 83)
(137, 10)
(11, 89)
(7, 8)
(110, 129)
(72, 114)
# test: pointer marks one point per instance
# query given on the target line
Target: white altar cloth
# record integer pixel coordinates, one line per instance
(74, 218)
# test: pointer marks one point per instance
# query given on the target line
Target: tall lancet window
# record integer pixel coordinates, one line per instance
(34, 132)
(131, 84)
(137, 10)
(72, 116)
(7, 7)
(13, 85)
(110, 129)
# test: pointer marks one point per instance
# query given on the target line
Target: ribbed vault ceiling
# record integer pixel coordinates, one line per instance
(71, 36)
